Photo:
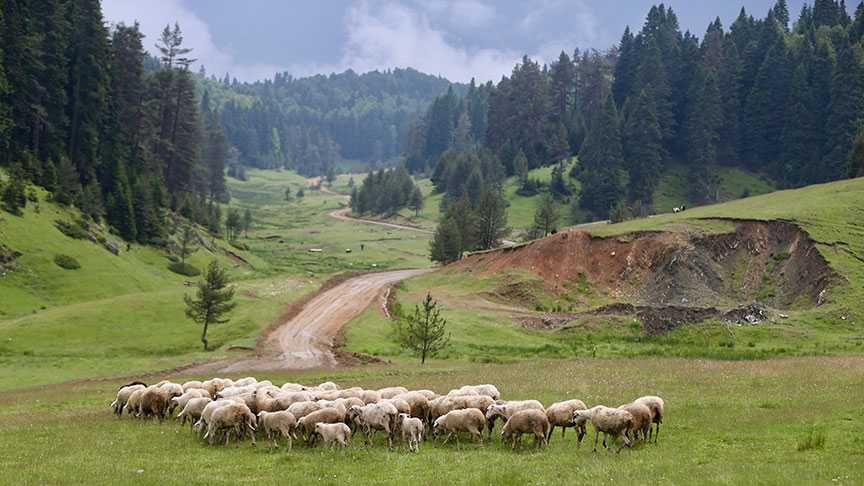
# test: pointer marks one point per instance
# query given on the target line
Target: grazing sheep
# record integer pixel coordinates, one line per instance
(282, 422)
(373, 417)
(641, 420)
(354, 392)
(334, 433)
(154, 402)
(392, 391)
(351, 401)
(338, 404)
(370, 396)
(302, 409)
(412, 431)
(529, 421)
(561, 415)
(328, 385)
(173, 389)
(401, 405)
(306, 424)
(505, 410)
(440, 406)
(133, 404)
(487, 390)
(123, 395)
(249, 380)
(192, 384)
(180, 402)
(657, 406)
(429, 394)
(607, 420)
(470, 420)
(206, 414)
(293, 387)
(234, 417)
(192, 410)
(419, 405)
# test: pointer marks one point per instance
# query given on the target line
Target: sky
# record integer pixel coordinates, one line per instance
(457, 39)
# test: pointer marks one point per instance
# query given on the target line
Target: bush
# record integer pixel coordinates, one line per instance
(184, 269)
(812, 439)
(76, 231)
(67, 262)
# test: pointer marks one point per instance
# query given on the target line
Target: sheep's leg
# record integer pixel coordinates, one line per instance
(581, 431)
(551, 429)
(596, 437)
(657, 435)
(450, 434)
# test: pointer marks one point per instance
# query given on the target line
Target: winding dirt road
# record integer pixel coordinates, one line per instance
(306, 340)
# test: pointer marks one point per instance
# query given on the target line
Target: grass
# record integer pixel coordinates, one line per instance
(717, 429)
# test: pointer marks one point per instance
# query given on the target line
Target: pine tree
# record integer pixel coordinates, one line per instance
(563, 86)
(247, 222)
(625, 68)
(845, 115)
(600, 163)
(520, 166)
(416, 201)
(212, 300)
(546, 216)
(491, 214)
(14, 194)
(644, 153)
(799, 139)
(5, 121)
(446, 244)
(424, 332)
(856, 159)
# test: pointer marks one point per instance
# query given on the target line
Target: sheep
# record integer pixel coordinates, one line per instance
(234, 417)
(429, 394)
(370, 396)
(203, 421)
(334, 433)
(505, 410)
(440, 406)
(610, 421)
(418, 402)
(656, 405)
(412, 431)
(561, 415)
(375, 416)
(302, 409)
(192, 410)
(469, 420)
(306, 424)
(192, 384)
(173, 389)
(123, 395)
(338, 404)
(249, 380)
(133, 404)
(154, 402)
(328, 386)
(641, 420)
(180, 402)
(292, 387)
(392, 391)
(529, 421)
(354, 392)
(401, 405)
(488, 390)
(282, 422)
(351, 401)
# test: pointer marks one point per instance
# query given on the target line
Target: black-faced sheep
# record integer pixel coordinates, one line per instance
(561, 415)
(274, 424)
(657, 407)
(505, 410)
(611, 421)
(470, 420)
(412, 431)
(529, 421)
(332, 434)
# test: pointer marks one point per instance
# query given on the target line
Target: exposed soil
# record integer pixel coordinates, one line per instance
(670, 279)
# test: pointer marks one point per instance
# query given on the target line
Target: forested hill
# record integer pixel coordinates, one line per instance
(311, 124)
(771, 95)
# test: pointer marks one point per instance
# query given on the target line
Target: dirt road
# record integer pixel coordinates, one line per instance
(342, 214)
(306, 340)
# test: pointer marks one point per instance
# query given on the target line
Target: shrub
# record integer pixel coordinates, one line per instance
(184, 269)
(67, 262)
(73, 230)
(811, 440)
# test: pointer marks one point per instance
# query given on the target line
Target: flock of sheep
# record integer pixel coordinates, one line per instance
(221, 409)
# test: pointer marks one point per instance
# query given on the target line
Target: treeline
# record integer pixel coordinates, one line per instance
(85, 114)
(311, 124)
(385, 192)
(783, 100)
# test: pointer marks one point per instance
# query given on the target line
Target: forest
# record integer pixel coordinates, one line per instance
(88, 115)
(781, 99)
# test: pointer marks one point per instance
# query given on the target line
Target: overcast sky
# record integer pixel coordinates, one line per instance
(458, 39)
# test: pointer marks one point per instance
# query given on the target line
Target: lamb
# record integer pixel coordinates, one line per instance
(610, 421)
(192, 410)
(282, 422)
(488, 390)
(306, 425)
(561, 415)
(123, 395)
(505, 410)
(641, 420)
(334, 433)
(375, 416)
(529, 421)
(412, 431)
(302, 409)
(417, 402)
(234, 417)
(180, 402)
(392, 391)
(468, 420)
(656, 405)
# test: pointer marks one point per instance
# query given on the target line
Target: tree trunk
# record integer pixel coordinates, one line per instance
(204, 337)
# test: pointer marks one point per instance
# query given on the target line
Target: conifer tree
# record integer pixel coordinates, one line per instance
(213, 299)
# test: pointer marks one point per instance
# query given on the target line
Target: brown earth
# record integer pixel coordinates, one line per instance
(674, 277)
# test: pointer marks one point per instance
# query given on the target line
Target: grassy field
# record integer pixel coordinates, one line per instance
(784, 421)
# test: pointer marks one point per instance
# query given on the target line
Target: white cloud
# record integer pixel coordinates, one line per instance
(154, 15)
(392, 35)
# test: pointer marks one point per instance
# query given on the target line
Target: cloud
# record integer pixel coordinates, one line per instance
(156, 14)
(388, 34)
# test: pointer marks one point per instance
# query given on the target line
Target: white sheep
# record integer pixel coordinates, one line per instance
(302, 409)
(657, 407)
(123, 395)
(529, 421)
(641, 420)
(561, 415)
(470, 420)
(306, 424)
(282, 422)
(192, 410)
(412, 431)
(204, 420)
(334, 433)
(392, 391)
(505, 410)
(375, 416)
(181, 401)
(236, 418)
(488, 390)
(611, 421)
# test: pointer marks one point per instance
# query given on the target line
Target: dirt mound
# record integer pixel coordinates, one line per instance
(774, 263)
